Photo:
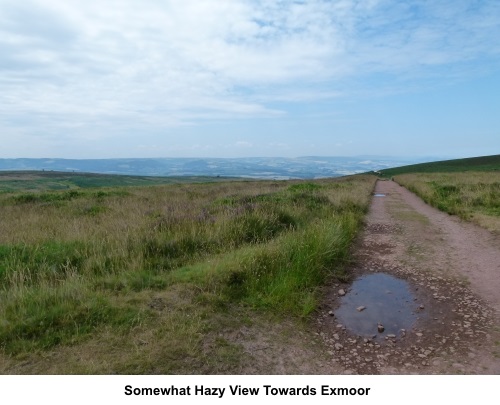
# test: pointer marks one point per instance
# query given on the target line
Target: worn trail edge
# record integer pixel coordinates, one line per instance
(453, 268)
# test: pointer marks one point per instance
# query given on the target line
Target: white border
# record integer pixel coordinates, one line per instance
(90, 390)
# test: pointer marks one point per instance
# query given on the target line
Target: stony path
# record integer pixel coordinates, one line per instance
(453, 269)
(474, 252)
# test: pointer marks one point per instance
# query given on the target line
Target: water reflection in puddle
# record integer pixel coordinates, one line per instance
(387, 300)
(379, 195)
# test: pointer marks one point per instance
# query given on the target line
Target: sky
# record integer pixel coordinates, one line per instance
(242, 78)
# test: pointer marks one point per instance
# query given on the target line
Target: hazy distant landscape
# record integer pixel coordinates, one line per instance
(261, 168)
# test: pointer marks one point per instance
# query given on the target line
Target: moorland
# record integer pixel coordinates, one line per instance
(167, 265)
(110, 274)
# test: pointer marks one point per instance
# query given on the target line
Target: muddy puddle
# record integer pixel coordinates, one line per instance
(378, 305)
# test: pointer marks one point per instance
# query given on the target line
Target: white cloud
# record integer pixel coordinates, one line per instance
(99, 67)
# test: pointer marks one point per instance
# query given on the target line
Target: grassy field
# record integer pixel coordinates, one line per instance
(477, 164)
(473, 196)
(49, 180)
(151, 279)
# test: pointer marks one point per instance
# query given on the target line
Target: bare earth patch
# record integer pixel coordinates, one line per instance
(453, 269)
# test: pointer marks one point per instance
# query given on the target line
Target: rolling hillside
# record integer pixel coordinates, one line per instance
(483, 164)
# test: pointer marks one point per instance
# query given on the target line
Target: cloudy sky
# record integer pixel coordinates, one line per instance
(231, 78)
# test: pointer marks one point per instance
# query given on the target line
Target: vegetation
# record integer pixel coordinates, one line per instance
(473, 196)
(477, 164)
(13, 181)
(153, 277)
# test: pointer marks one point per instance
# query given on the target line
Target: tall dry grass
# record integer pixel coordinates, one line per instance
(73, 265)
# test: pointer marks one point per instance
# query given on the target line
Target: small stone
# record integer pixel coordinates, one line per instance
(421, 306)
(338, 346)
(361, 308)
(331, 313)
(341, 292)
(380, 327)
(391, 336)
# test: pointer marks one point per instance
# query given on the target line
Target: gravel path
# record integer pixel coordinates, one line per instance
(453, 270)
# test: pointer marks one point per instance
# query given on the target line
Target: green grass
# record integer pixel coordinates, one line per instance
(80, 268)
(40, 318)
(473, 196)
(36, 181)
(477, 164)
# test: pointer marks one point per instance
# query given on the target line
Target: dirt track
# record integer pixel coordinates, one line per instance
(453, 269)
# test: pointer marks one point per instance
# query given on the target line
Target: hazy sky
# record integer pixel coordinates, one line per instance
(217, 78)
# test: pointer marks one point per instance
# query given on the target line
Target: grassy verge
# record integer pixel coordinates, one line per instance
(473, 196)
(106, 270)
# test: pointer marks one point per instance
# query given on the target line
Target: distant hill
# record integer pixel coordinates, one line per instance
(482, 163)
(260, 168)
